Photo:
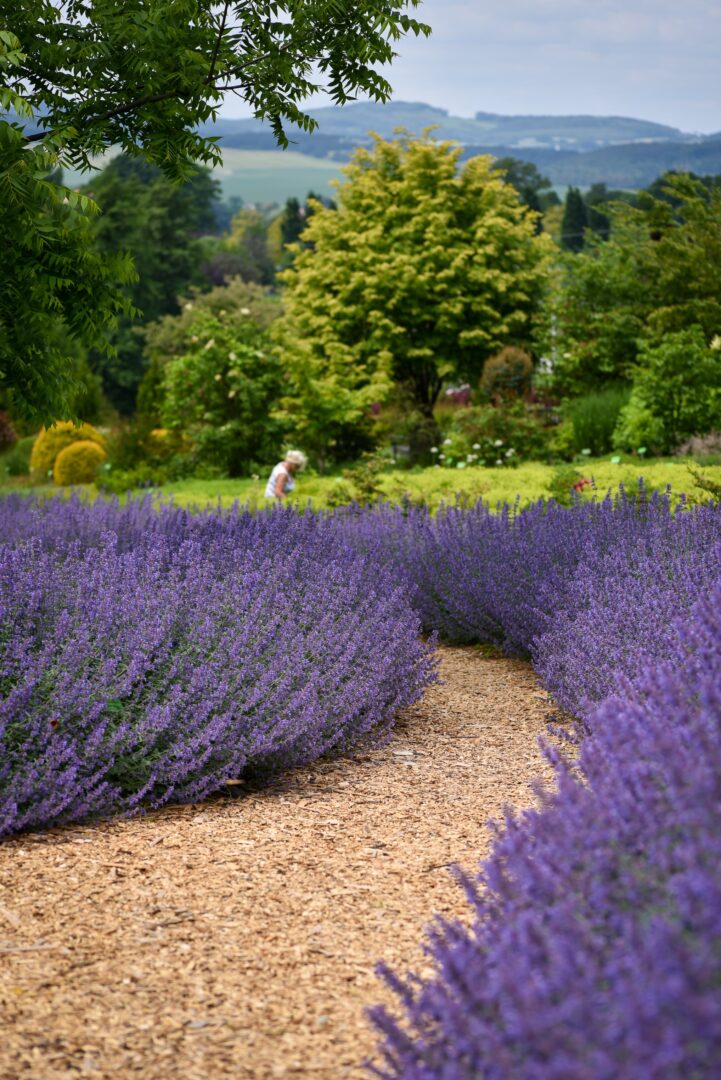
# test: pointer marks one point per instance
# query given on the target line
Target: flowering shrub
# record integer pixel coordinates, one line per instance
(594, 950)
(149, 655)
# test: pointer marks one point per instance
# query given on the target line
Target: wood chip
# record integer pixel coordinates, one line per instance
(239, 938)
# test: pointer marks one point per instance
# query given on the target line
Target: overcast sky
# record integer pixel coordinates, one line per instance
(651, 59)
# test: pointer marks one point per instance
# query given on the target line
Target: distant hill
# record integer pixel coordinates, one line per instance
(349, 126)
(571, 150)
(580, 150)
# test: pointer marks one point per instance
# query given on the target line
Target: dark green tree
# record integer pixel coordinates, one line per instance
(575, 221)
(159, 223)
(77, 78)
(533, 188)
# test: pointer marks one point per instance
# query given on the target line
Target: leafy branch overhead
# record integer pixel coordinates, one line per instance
(145, 73)
(79, 77)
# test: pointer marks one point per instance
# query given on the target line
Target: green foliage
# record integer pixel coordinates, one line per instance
(565, 485)
(660, 271)
(16, 461)
(507, 374)
(491, 436)
(706, 484)
(531, 186)
(158, 223)
(575, 221)
(51, 276)
(594, 417)
(676, 393)
(219, 390)
(420, 275)
(361, 482)
(78, 463)
(141, 77)
(52, 440)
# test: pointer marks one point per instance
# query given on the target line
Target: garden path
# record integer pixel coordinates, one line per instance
(238, 938)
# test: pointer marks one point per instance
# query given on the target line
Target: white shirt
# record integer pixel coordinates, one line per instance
(270, 486)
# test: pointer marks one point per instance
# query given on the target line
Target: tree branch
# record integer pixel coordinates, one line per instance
(218, 40)
(152, 99)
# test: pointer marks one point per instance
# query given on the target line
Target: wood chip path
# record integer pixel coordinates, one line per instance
(238, 938)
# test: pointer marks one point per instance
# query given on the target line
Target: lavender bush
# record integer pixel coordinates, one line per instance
(506, 578)
(595, 947)
(148, 654)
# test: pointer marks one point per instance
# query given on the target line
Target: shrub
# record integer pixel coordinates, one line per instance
(594, 417)
(489, 435)
(17, 460)
(219, 391)
(52, 440)
(507, 374)
(148, 655)
(78, 463)
(8, 435)
(676, 393)
(596, 936)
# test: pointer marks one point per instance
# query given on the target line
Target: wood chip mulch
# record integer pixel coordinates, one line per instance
(238, 938)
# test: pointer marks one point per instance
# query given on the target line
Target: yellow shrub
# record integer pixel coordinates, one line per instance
(52, 440)
(78, 463)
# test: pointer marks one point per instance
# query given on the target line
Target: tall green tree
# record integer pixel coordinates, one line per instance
(79, 77)
(159, 223)
(575, 221)
(421, 273)
(658, 273)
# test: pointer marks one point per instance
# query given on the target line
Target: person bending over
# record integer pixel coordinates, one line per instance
(281, 482)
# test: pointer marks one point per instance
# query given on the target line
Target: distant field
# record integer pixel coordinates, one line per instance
(258, 176)
(272, 176)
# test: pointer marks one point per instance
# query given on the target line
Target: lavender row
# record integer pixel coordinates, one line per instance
(595, 946)
(590, 594)
(149, 655)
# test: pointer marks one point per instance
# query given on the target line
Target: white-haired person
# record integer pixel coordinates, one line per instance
(281, 482)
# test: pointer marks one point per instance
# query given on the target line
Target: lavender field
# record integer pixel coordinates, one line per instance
(149, 655)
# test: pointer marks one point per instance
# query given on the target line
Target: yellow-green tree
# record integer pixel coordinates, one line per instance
(423, 271)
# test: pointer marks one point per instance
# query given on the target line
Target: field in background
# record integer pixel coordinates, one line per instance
(256, 176)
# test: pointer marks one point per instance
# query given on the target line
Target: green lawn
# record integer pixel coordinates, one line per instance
(527, 482)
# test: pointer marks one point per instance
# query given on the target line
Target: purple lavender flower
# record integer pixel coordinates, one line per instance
(148, 654)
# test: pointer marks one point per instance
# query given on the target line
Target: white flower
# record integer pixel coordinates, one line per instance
(194, 339)
(510, 452)
(209, 344)
(232, 356)
(461, 465)
(255, 476)
(245, 311)
(476, 446)
(498, 442)
(715, 342)
(447, 442)
(222, 311)
(586, 452)
(441, 457)
(232, 393)
(218, 377)
(188, 306)
(499, 461)
(434, 449)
